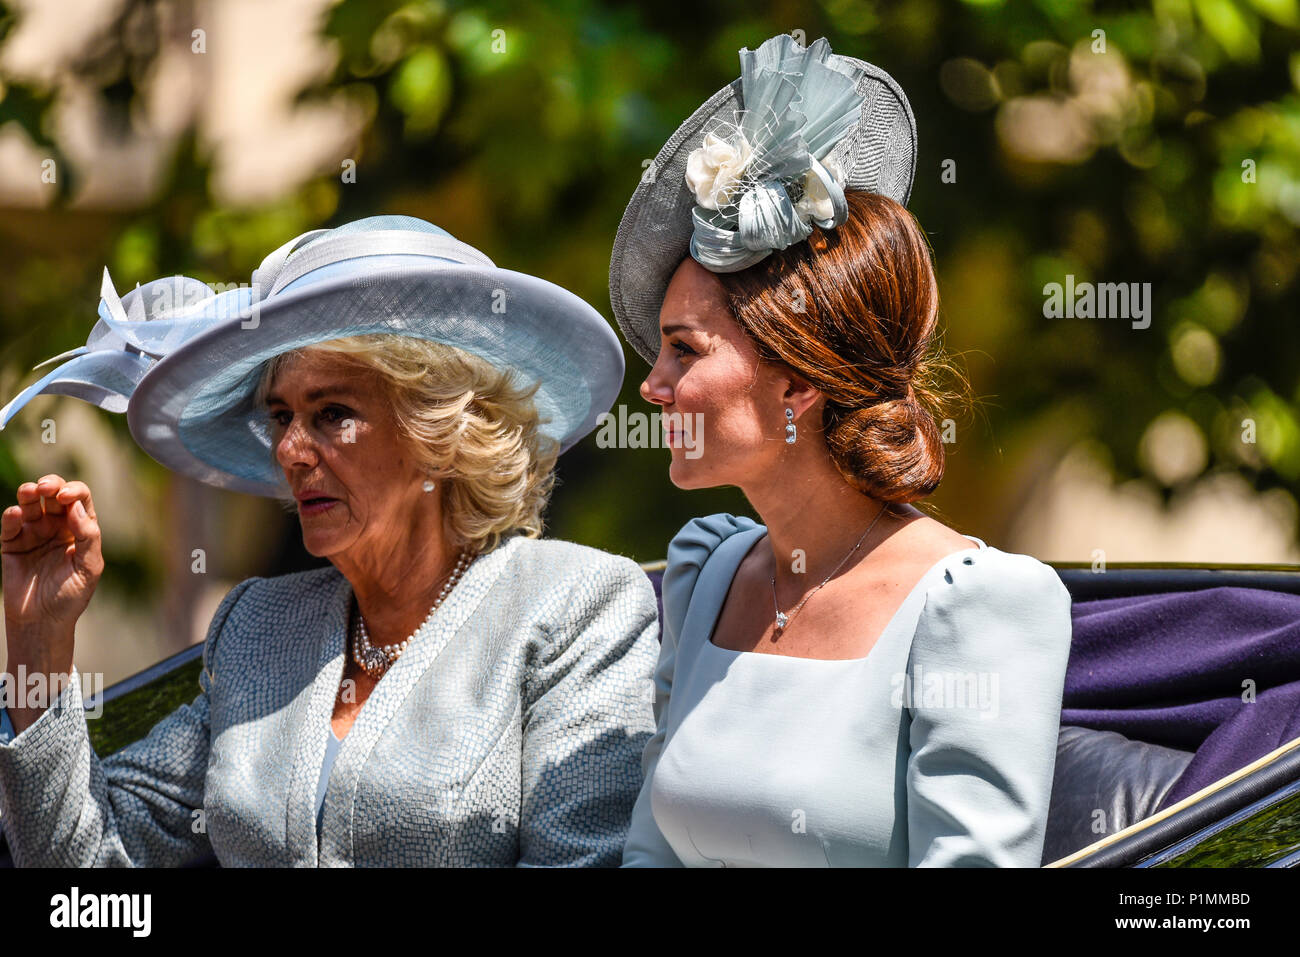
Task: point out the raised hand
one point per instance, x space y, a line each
50 554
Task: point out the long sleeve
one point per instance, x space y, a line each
646 845
586 718
6 734
987 670
689 549
63 806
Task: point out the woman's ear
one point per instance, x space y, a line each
799 396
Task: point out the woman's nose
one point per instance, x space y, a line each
655 388
295 446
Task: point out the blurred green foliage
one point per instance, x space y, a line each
1165 149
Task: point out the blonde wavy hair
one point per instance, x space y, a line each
467 422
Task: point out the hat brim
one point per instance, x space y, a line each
193 410
654 236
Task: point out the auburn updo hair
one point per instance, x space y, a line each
854 311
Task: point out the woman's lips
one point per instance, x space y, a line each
316 506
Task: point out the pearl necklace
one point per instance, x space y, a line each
375 661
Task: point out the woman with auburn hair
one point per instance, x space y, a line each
452 688
850 682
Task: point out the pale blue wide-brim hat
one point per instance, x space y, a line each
183 359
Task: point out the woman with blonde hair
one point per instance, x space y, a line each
850 682
452 689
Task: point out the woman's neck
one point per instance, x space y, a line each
814 518
395 590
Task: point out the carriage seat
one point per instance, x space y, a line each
1104 782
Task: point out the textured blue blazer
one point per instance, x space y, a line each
510 732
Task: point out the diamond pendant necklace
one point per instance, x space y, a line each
783 619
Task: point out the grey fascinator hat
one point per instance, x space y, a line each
183 359
755 168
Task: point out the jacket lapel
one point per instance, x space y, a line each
338 820
309 725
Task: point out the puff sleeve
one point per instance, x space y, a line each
687 552
979 774
646 845
63 806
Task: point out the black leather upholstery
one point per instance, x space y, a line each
1103 783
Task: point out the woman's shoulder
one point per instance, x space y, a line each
577 578
700 537
688 551
284 592
994 575
260 602
966 565
566 583
556 558
984 597
258 605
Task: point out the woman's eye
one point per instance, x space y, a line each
683 349
331 413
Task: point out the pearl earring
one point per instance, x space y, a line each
790 430
428 485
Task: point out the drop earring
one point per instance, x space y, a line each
790 430
428 485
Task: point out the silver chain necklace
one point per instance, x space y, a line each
783 619
375 661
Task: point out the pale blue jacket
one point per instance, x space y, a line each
508 733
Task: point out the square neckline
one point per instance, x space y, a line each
713 626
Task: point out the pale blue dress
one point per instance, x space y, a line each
935 750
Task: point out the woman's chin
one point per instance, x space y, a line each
314 547
686 473
319 545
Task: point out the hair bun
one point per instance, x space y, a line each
858 320
891 450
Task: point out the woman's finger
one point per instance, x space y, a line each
82 524
17 535
85 533
77 492
29 499
11 523
14 530
49 486
32 512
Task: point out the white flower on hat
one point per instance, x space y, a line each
816 203
715 168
